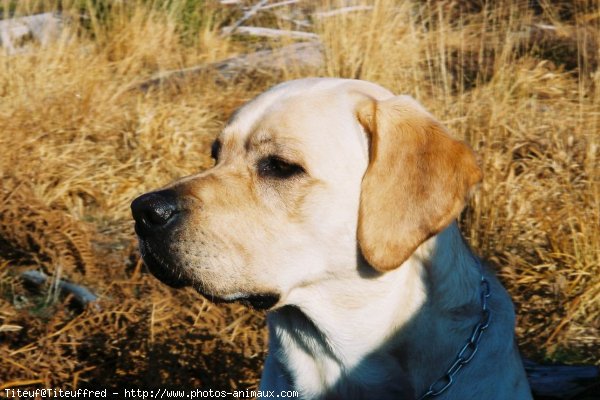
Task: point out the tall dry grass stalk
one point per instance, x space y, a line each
77 144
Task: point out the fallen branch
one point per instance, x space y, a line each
340 11
83 295
279 4
303 55
272 33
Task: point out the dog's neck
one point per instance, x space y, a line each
365 323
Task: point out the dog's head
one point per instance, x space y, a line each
307 176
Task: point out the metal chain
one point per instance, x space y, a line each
467 352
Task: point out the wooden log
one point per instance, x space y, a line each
340 11
297 55
272 33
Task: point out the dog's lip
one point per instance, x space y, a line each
166 274
258 301
163 272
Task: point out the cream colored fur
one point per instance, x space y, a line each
382 176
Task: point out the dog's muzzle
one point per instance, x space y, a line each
157 216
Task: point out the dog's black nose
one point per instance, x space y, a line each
154 211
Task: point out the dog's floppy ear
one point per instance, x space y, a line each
416 183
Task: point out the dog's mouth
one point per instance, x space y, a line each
263 301
162 270
174 277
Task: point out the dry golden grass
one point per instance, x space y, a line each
77 144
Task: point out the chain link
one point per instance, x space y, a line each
468 351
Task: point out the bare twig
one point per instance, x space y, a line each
10 328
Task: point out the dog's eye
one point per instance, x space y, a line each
275 167
215 150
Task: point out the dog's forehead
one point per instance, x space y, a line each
286 110
309 110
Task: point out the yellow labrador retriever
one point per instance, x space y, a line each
332 205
